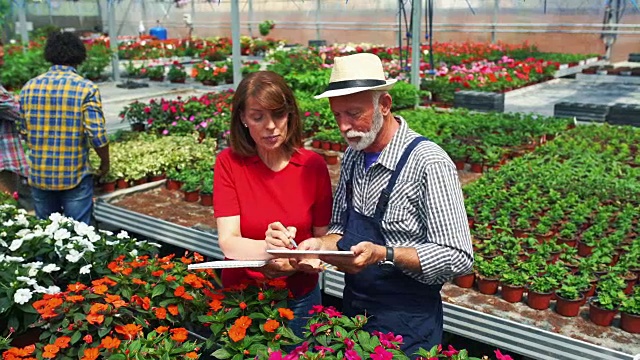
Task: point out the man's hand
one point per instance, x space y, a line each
277 268
278 236
104 168
366 254
308 265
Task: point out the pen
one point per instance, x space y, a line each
295 246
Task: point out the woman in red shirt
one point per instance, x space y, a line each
267 184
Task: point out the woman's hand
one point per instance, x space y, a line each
278 236
277 268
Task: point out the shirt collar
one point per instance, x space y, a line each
296 158
63 68
389 156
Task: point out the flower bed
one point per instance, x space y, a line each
142 304
568 228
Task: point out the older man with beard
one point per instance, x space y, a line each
398 207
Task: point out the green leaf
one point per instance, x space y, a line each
216 328
238 357
103 331
126 293
135 346
76 337
206 318
322 339
5 304
117 357
158 290
221 354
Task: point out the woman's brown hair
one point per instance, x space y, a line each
271 91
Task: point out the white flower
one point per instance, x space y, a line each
1 258
13 259
3 243
56 217
37 265
85 269
83 229
8 223
15 244
51 229
22 296
155 244
22 211
27 280
33 272
53 290
50 268
21 220
39 289
134 252
62 234
23 232
111 243
106 232
74 256
123 235
93 237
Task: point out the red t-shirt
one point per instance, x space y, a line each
298 195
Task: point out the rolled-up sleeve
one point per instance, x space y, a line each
447 252
339 200
93 118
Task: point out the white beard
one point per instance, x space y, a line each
366 138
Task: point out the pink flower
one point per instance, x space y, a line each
174 123
352 355
203 124
275 355
323 349
332 312
15 195
150 121
349 343
452 351
191 118
316 309
307 113
165 132
500 356
314 327
381 354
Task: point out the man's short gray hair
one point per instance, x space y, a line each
375 96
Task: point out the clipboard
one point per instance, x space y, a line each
227 264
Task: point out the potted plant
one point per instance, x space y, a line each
476 158
569 299
176 73
191 187
109 182
540 292
155 72
266 26
630 313
173 182
488 272
512 284
603 307
206 189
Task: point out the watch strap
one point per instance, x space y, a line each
390 254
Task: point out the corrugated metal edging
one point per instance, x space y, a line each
160 230
505 334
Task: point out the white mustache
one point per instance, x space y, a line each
353 133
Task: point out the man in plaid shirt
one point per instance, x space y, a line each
12 159
62 119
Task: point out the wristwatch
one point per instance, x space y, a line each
387 264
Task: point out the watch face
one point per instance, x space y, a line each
386 266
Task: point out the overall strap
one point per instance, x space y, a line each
349 194
383 201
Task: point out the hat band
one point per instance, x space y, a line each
345 84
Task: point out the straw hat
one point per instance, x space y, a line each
356 73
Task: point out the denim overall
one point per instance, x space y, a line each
393 301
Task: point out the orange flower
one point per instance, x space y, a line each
110 343
186 261
50 351
243 322
162 329
278 283
286 313
77 287
95 319
98 308
62 342
191 355
127 271
179 334
197 257
100 289
91 354
173 309
237 333
170 278
215 305
139 282
104 281
21 352
161 313
271 325
193 280
74 298
167 266
157 273
243 305
130 331
179 291
115 300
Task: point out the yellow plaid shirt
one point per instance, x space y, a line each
62 119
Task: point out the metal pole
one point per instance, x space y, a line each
235 41
193 17
318 7
22 18
416 52
400 31
50 12
250 25
496 7
113 39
